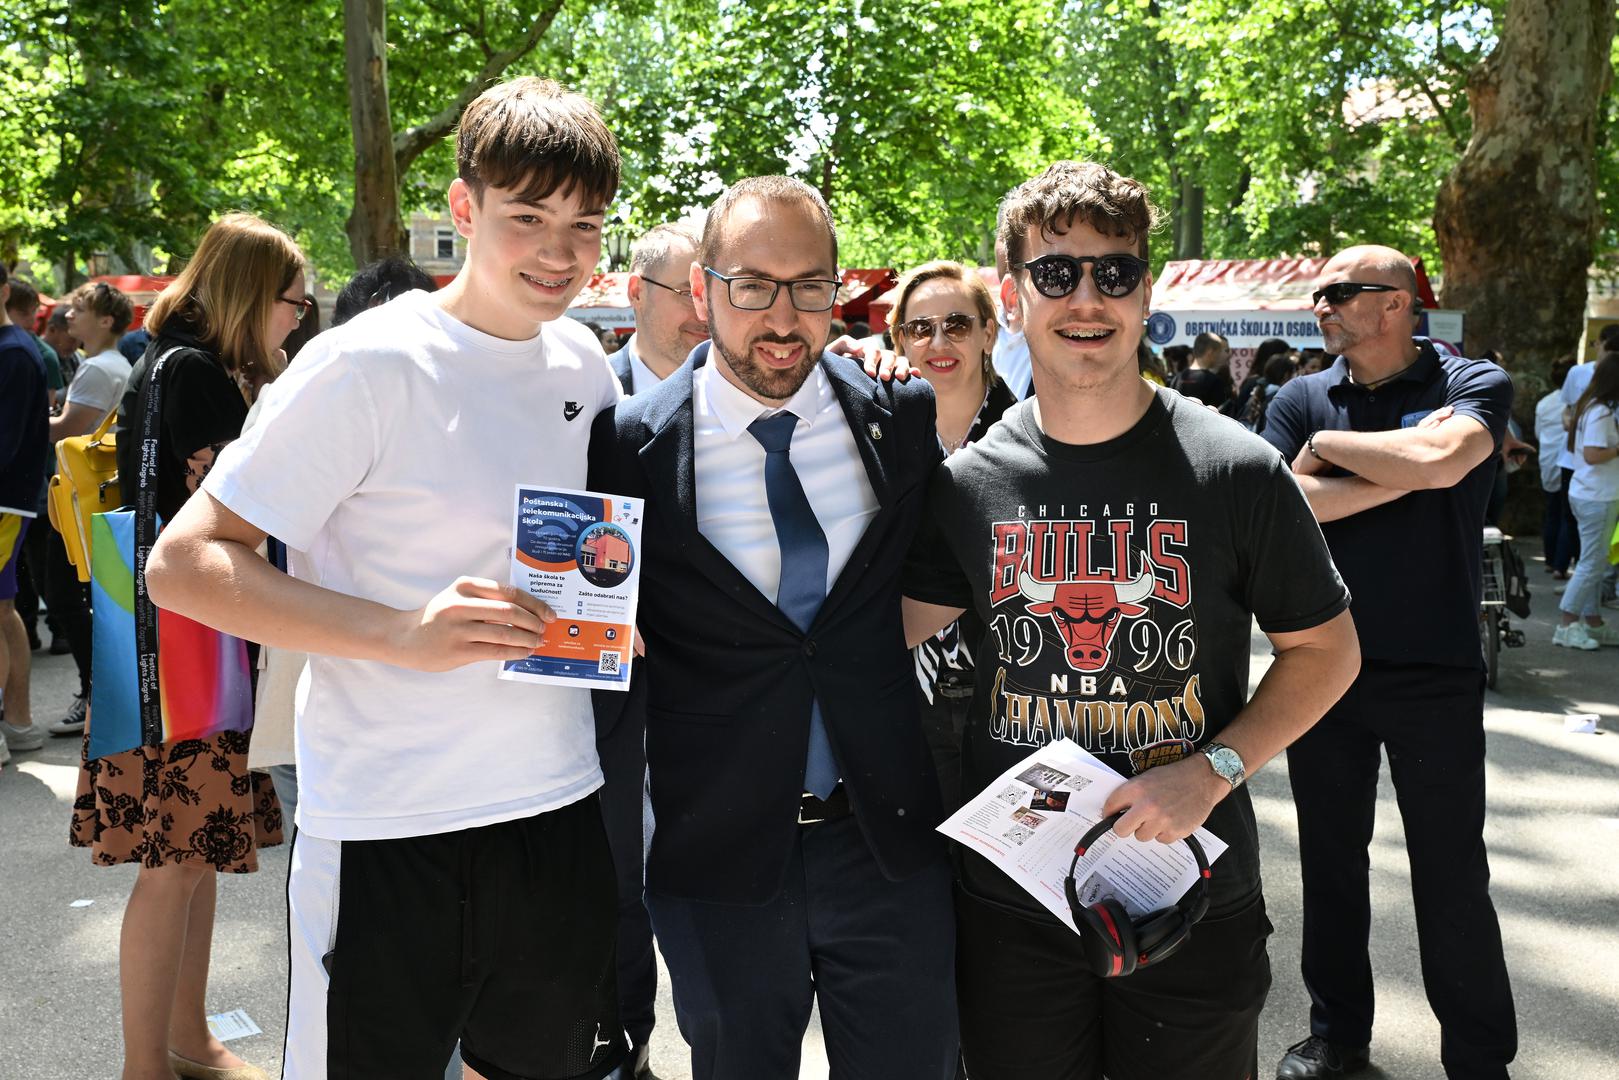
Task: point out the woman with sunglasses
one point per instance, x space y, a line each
944 324
188 810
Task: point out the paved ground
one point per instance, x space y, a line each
1553 836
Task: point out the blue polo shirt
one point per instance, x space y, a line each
1413 566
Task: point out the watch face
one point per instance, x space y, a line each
1227 762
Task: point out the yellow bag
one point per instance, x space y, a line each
85 483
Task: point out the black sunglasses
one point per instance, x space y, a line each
1055 276
684 294
1343 291
920 330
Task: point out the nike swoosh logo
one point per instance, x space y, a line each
571 410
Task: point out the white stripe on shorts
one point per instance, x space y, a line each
312 927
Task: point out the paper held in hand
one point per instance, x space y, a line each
580 552
1030 819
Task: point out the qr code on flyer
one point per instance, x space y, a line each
608 664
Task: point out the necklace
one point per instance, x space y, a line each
959 443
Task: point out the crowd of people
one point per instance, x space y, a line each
873 579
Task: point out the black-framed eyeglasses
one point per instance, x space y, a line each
684 294
1340 292
751 293
1055 276
920 330
303 304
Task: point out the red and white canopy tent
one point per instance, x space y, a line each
1250 300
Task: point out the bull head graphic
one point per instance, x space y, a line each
1087 611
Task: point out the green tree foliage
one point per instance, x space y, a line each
1268 126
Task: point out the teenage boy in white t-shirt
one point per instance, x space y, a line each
451 878
97 315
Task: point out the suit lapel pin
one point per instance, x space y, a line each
876 431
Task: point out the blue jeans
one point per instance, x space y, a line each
1584 593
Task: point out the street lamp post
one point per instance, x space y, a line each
618 245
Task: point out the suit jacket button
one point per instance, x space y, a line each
809 648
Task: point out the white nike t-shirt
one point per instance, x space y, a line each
386 459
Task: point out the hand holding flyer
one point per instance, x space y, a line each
1028 821
579 551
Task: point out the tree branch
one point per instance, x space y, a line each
413 142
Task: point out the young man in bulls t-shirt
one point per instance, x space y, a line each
1117 540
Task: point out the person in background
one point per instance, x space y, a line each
189 810
97 314
1177 358
22 308
1312 361
59 336
1593 495
133 344
1279 368
1559 533
1207 377
23 419
1151 365
377 283
944 321
1266 349
1394 446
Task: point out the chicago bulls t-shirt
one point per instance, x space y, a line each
1117 581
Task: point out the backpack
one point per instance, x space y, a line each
85 483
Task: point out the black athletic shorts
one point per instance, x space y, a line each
501 937
1032 1010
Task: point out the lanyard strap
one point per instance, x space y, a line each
151 413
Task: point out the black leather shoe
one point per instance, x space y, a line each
1316 1057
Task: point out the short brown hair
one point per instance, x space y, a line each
770 189
536 136
945 270
99 298
1076 190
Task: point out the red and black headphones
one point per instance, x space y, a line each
1116 945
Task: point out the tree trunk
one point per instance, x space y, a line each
1516 219
373 226
1189 226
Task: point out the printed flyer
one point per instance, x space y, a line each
580 552
1030 819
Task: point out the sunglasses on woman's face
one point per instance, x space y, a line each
1341 292
1055 276
920 330
303 304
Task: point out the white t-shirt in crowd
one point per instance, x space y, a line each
1579 377
1596 483
100 382
1552 440
387 459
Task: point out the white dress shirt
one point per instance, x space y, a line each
729 470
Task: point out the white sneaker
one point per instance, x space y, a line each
1574 636
18 739
1606 634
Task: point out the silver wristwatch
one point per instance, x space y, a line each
1226 762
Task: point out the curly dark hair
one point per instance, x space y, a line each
1077 190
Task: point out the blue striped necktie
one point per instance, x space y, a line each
803 571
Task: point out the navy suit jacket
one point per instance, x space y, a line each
731 680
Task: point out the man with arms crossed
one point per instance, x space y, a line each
792 857
1118 540
451 877
1394 446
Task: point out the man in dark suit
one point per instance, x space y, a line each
666 330
666 325
793 797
